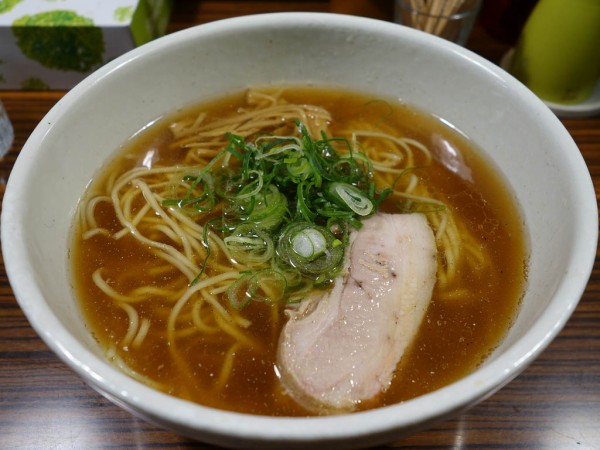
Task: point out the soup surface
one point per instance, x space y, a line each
156 299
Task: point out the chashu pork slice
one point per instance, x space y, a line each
342 347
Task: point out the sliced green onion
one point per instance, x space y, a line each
252 188
206 246
270 209
352 197
250 245
326 263
237 292
299 168
309 243
267 286
303 201
266 210
336 243
263 286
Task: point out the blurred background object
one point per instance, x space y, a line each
376 9
504 19
558 53
450 19
6 131
47 45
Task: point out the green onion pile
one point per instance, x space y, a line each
290 204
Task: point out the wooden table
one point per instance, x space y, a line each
554 404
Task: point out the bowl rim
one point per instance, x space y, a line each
217 424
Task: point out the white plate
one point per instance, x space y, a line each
588 108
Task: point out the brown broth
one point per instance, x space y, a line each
455 336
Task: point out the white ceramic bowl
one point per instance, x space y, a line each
516 131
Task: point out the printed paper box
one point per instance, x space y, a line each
54 44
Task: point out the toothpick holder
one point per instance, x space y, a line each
450 19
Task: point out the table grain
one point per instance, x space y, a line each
554 404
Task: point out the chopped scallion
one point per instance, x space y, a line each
309 243
288 205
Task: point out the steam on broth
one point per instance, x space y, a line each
155 264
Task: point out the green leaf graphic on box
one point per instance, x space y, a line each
7 5
34 84
60 39
123 13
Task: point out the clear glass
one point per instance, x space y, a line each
6 131
450 19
